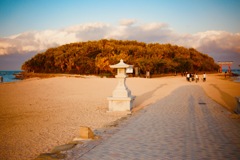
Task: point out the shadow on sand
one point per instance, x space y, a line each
228 99
144 97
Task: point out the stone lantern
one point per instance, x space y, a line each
121 100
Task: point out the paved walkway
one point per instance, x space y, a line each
184 125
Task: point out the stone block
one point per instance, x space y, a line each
86 133
120 103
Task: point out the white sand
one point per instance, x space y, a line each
38 114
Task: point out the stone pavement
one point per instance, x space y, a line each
186 125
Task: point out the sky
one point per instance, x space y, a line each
28 27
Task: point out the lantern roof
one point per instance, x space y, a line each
121 64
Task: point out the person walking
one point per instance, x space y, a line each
188 77
196 78
204 77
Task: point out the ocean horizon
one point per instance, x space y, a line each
9 76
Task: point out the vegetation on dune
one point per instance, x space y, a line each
94 57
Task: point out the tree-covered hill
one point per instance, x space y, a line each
94 57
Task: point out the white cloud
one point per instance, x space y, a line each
127 22
217 42
86 27
207 42
151 32
154 26
4 44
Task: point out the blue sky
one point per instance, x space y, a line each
185 16
31 26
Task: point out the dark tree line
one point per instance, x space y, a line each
94 57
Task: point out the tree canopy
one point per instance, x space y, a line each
94 57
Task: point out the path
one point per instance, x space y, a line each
184 125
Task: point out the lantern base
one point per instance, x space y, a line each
120 103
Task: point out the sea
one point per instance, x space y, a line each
236 78
9 76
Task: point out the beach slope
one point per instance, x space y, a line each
38 114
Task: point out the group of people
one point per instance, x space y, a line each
194 77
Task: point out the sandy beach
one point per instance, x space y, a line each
38 114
